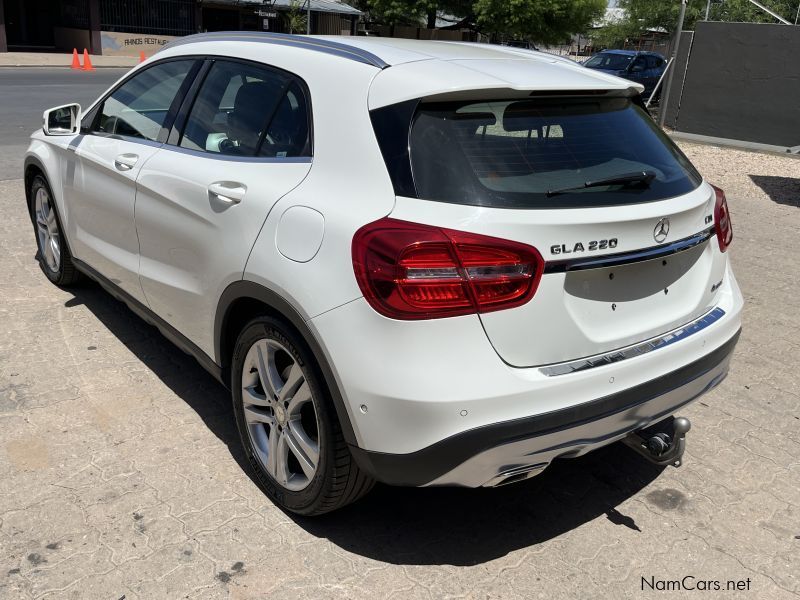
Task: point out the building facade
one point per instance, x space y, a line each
130 26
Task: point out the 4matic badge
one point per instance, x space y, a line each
592 246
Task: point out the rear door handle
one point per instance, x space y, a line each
230 192
125 162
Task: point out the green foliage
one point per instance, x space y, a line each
745 12
542 21
613 35
400 12
554 21
650 14
660 14
296 17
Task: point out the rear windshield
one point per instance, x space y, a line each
543 153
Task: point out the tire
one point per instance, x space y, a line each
53 253
284 413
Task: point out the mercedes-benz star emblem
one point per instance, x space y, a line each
661 230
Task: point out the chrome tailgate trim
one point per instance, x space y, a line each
645 347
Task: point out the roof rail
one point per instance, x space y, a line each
284 39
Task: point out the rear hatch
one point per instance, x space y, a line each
620 217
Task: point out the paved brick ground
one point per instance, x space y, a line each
120 473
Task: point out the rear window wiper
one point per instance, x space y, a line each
640 177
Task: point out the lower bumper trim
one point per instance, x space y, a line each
431 463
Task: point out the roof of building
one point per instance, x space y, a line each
328 6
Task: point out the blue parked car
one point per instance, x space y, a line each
641 67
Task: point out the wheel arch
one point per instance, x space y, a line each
32 167
244 300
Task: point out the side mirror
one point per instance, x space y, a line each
62 120
637 68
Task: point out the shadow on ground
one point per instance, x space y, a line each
783 190
177 370
457 526
422 526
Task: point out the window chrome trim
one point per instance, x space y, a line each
676 335
621 258
124 138
237 158
309 43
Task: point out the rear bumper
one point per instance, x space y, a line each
479 456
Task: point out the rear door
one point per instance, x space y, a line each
123 133
533 171
244 141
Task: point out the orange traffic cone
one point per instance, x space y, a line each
87 63
76 62
141 56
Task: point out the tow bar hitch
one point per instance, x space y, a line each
662 443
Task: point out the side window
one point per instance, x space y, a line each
640 64
288 134
139 107
239 111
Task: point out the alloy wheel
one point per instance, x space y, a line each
47 230
280 414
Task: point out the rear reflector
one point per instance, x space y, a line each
412 271
722 220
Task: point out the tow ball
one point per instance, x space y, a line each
663 443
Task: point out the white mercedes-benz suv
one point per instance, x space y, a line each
421 263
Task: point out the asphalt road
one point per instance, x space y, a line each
26 92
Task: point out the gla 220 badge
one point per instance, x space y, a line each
580 247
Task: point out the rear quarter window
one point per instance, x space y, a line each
515 154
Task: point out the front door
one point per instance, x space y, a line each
100 183
202 200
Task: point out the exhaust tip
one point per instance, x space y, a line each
515 474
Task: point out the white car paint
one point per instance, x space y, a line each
300 233
184 270
418 378
101 200
156 232
588 323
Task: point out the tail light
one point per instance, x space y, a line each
411 271
722 220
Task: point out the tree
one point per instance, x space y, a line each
743 11
542 21
412 12
296 17
659 14
655 14
400 12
